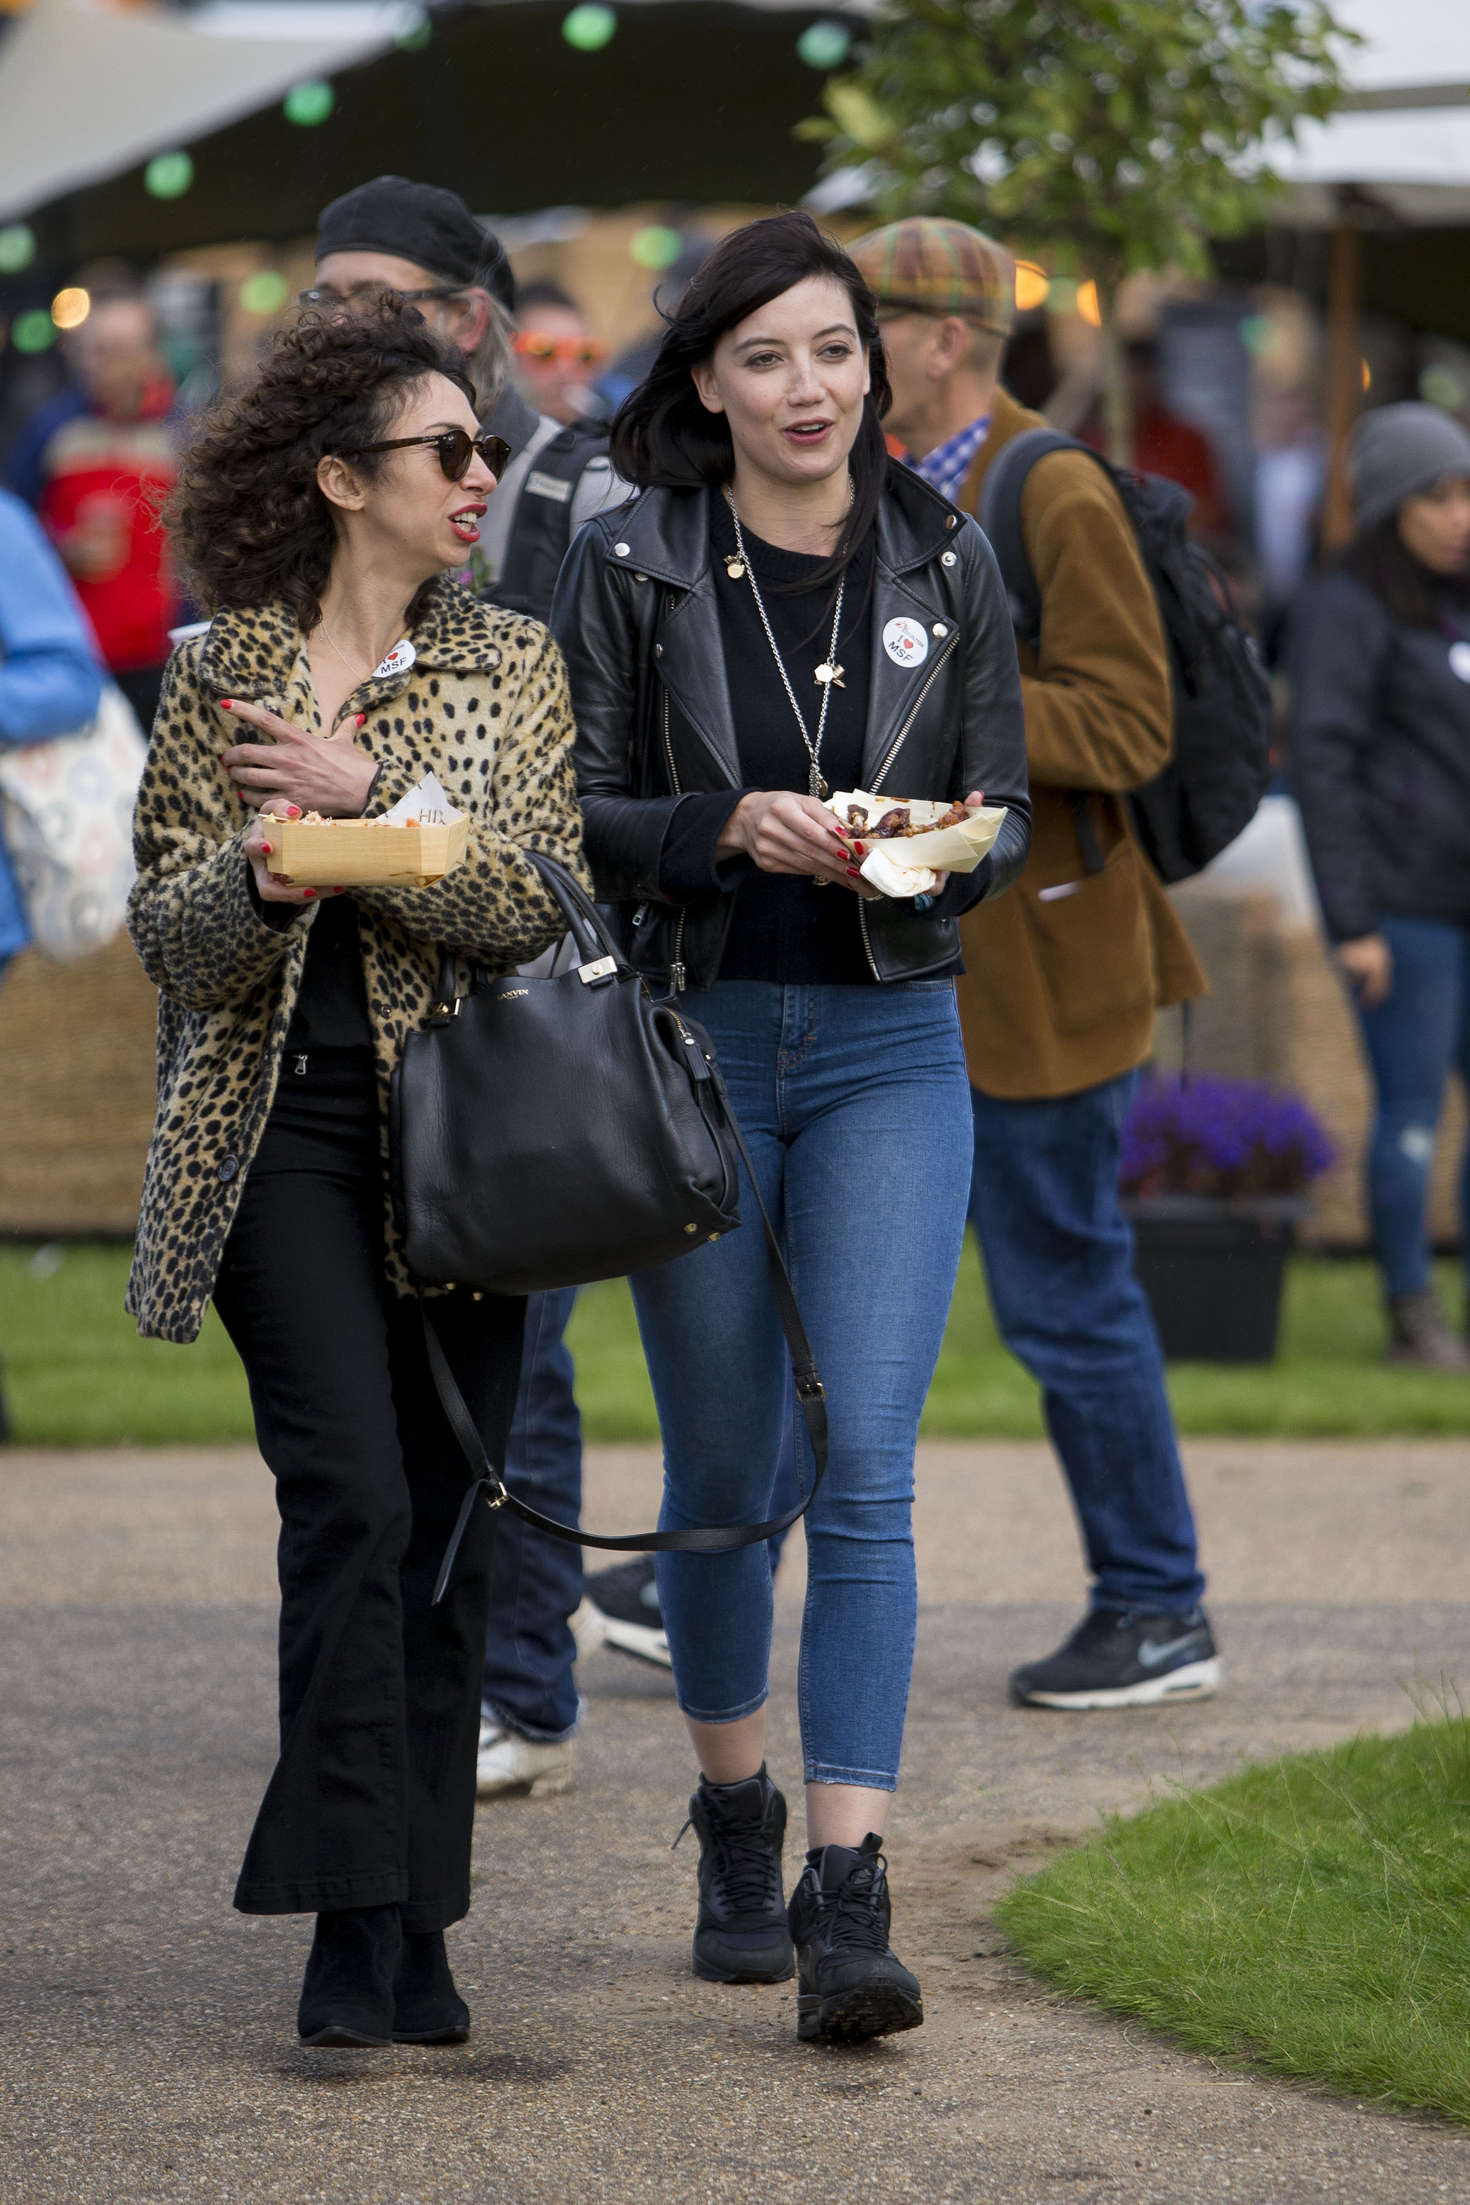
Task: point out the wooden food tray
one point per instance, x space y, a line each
358 853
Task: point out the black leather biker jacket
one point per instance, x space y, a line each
636 614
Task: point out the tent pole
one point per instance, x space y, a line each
1344 382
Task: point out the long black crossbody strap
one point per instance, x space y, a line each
700 1539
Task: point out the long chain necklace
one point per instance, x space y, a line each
828 674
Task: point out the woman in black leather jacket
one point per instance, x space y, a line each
782 612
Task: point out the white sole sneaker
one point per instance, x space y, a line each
588 1628
510 1766
1196 1680
642 1640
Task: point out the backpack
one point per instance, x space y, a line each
541 529
1221 765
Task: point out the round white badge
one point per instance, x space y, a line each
398 661
906 642
1460 660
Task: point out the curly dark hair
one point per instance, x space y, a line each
247 520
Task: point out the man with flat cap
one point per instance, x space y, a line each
1063 976
424 243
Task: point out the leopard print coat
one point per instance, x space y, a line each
484 705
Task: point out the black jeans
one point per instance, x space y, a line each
372 1800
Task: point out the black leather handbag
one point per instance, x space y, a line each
551 1130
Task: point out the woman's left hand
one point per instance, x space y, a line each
973 803
327 774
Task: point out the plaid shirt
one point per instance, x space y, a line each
946 467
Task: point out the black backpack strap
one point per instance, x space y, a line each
489 1479
1000 517
541 526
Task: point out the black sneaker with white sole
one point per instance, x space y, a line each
741 1934
849 1984
1124 1658
626 1599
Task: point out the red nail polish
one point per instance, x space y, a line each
308 893
362 719
339 891
861 849
227 704
853 873
293 811
266 847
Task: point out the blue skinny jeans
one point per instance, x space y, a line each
855 1108
1415 1038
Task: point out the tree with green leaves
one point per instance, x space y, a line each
1114 134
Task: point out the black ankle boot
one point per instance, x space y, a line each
741 1934
427 2009
851 1985
347 1992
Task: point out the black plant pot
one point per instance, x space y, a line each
1213 1271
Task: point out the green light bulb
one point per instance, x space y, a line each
17 248
309 102
265 292
589 27
168 175
33 331
655 247
825 45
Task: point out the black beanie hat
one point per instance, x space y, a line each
419 222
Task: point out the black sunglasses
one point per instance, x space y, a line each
455 447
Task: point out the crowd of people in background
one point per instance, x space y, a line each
1032 1011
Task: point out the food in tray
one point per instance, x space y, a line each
918 839
899 821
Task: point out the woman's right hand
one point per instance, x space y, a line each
1368 964
784 832
269 886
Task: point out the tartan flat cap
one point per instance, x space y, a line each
932 266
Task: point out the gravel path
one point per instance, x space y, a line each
148 2052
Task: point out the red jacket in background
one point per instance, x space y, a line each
75 464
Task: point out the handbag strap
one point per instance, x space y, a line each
698 1539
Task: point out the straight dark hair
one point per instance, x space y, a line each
663 437
1379 558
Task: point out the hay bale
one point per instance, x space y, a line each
76 1102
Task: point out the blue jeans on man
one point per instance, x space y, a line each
1058 1256
535 1581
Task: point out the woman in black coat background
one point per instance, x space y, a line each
1380 762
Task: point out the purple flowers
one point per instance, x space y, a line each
1220 1137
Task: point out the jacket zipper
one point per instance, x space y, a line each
878 779
676 969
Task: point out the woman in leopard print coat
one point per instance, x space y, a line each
316 514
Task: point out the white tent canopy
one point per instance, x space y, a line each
87 90
1403 135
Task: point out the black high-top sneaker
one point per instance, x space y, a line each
741 1934
850 1985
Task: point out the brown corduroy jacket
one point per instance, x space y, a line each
1064 974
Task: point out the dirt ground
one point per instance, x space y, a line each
148 2050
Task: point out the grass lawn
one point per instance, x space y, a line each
76 1374
1308 1917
